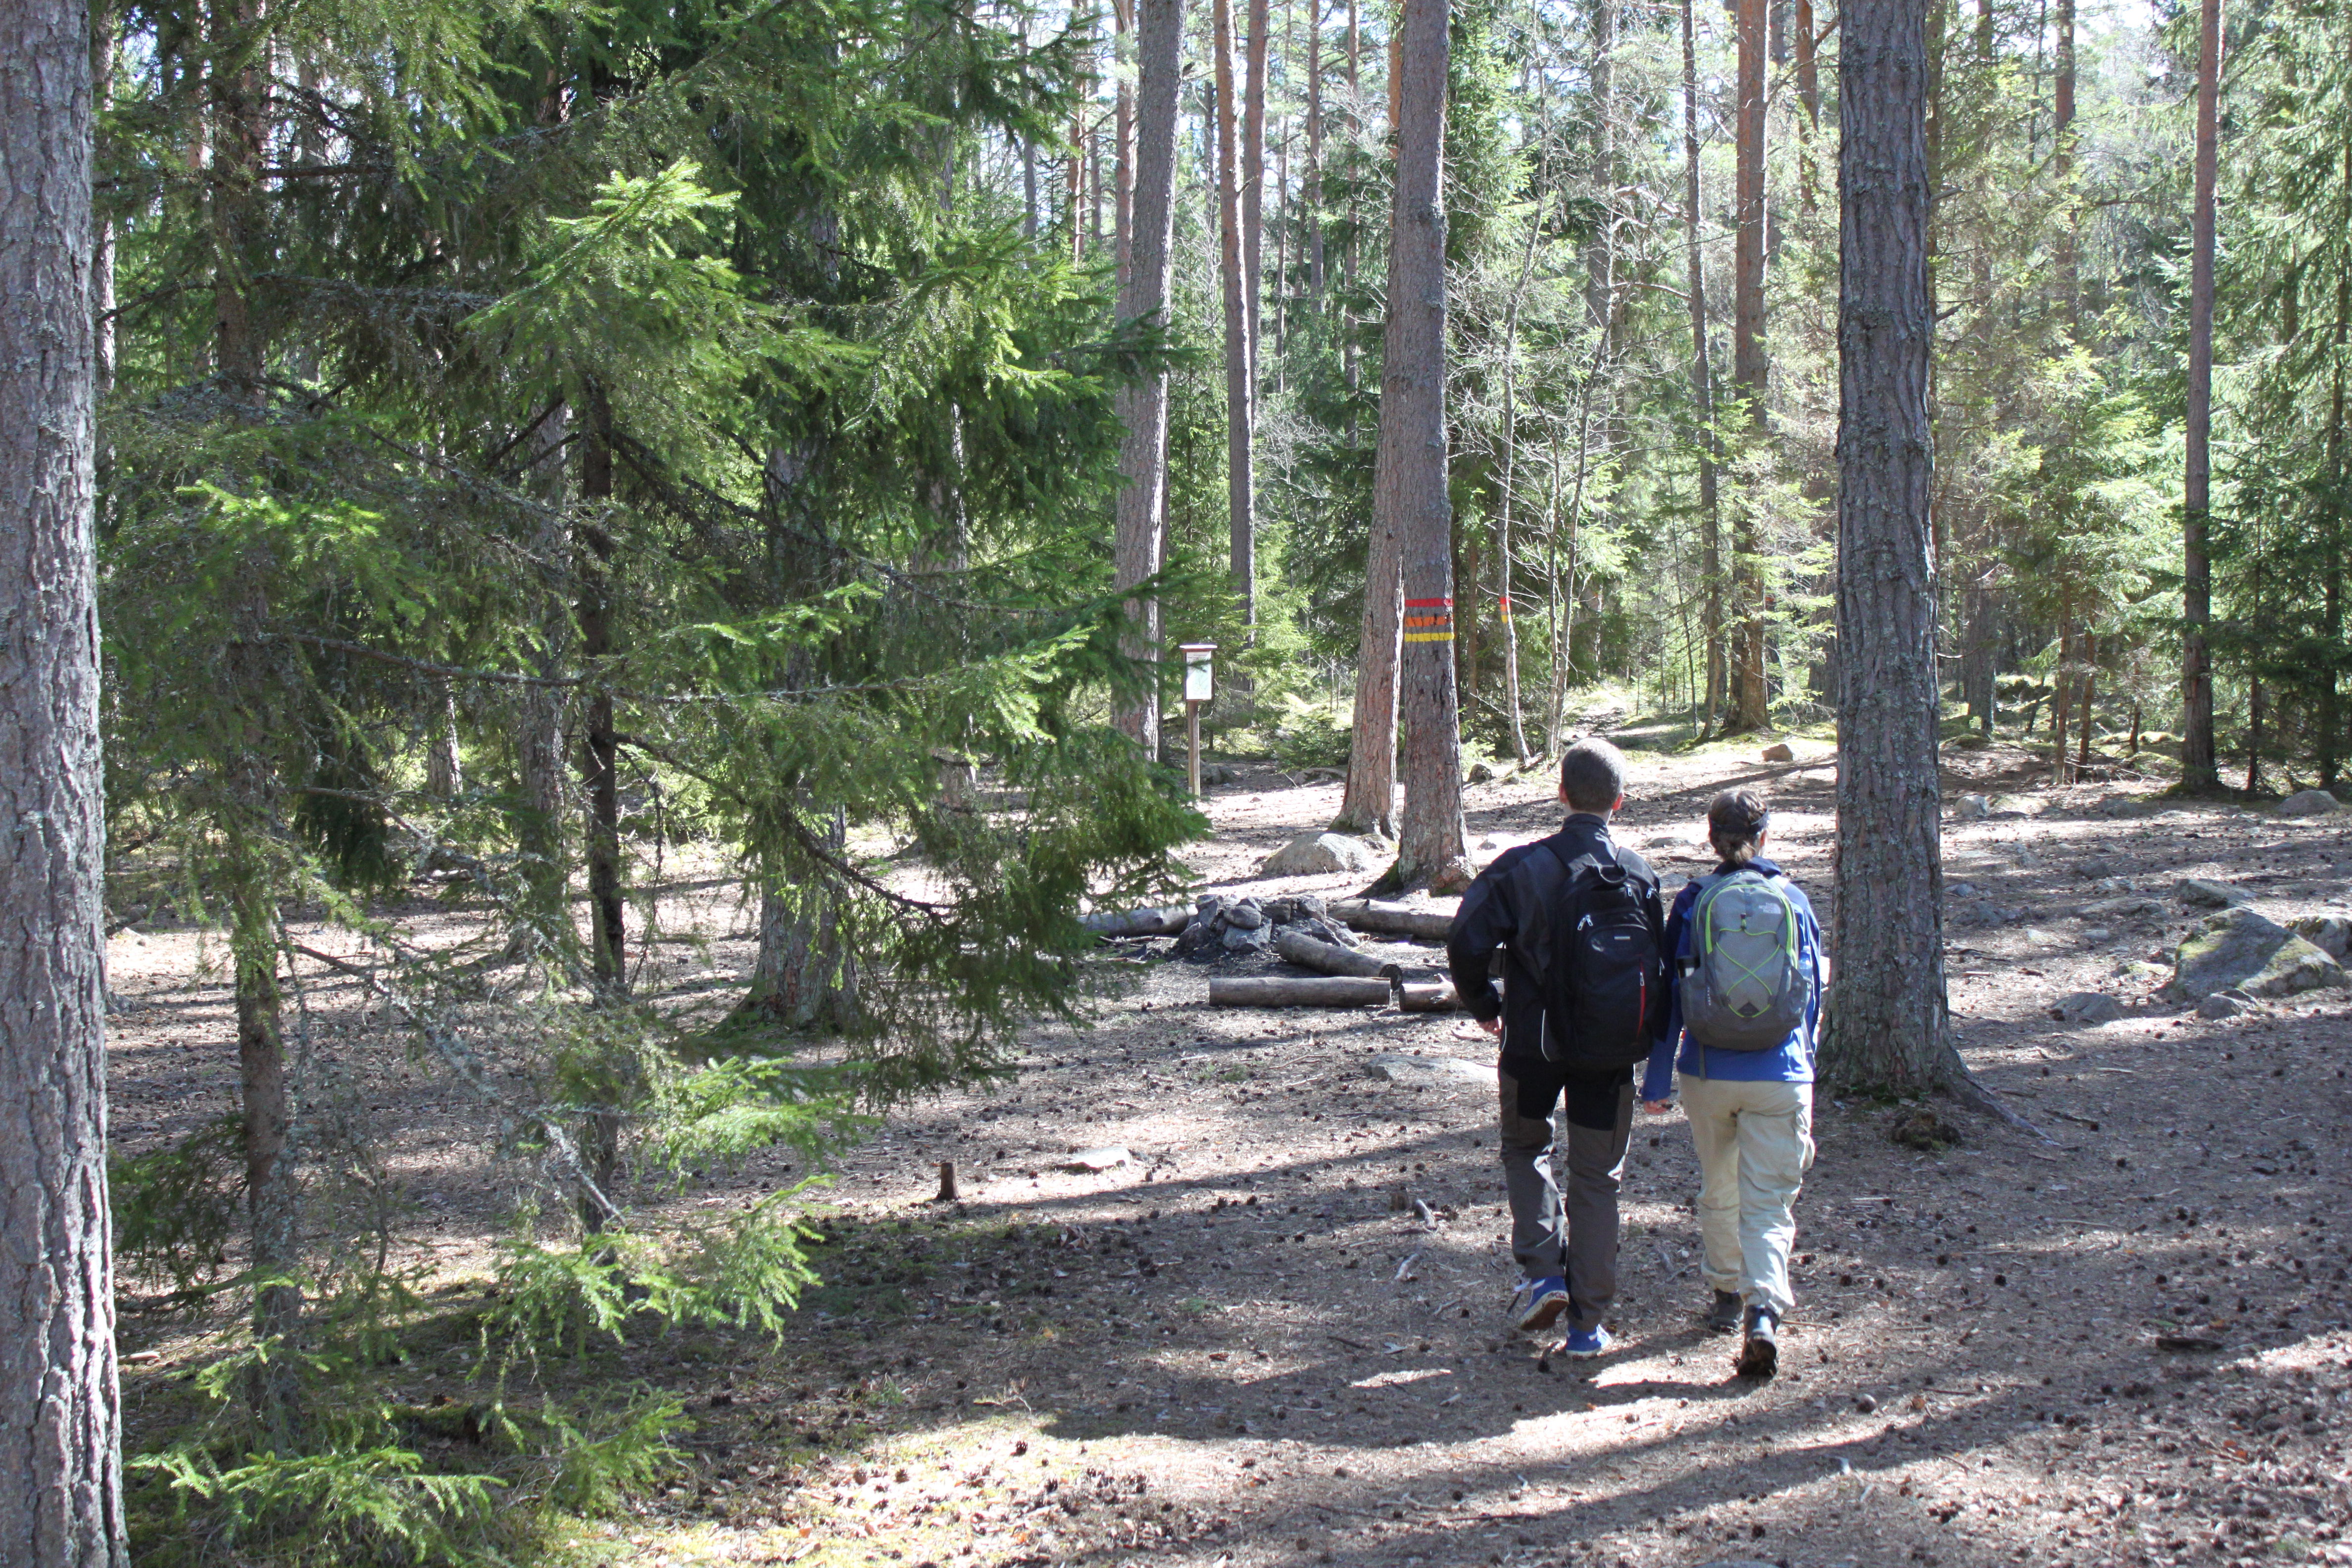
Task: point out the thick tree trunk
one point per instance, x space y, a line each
1237 273
61 1408
1749 705
2329 717
1368 800
1888 1022
1409 484
805 976
1702 380
2199 766
1142 525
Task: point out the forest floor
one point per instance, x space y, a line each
1235 1349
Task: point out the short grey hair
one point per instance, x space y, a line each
1592 775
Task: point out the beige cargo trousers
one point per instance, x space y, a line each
1755 1144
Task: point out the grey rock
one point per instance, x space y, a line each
1247 939
2309 802
1320 855
1245 913
1735 1562
1208 906
2119 805
1428 1072
2097 933
1091 1159
1328 930
2112 885
2332 934
2127 908
2238 949
2223 1004
1480 774
1779 752
2017 805
1195 937
2207 895
1972 807
2086 1007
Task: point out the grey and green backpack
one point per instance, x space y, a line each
1747 982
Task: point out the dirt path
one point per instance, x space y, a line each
1235 1348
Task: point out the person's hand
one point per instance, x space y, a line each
1657 1107
1492 1026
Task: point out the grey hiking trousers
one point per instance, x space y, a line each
1575 1235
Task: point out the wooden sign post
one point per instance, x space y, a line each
1197 690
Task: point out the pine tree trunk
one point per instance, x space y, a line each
2329 718
1888 1022
600 771
1702 380
1749 706
1409 484
1142 525
445 776
545 918
1809 99
2200 770
239 139
1235 273
1123 131
805 975
1252 193
2062 163
1311 196
61 1408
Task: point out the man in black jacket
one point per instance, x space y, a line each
1567 1256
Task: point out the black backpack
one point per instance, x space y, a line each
1602 979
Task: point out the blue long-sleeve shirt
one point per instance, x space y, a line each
1790 1062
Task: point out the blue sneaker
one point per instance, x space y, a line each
1545 1300
1583 1344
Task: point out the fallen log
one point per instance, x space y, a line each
1169 921
1399 920
1427 996
1330 958
1281 991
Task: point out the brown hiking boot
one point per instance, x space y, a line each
1759 1350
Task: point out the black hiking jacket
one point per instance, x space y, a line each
1508 908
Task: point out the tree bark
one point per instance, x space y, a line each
60 1405
1311 195
1702 380
540 827
1888 1022
1253 149
600 754
1123 130
1368 800
2199 766
1236 272
1409 483
1749 706
2062 163
1285 991
1141 522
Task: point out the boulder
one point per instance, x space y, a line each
1320 855
1246 913
2309 802
1247 939
1195 937
2225 1004
2239 949
2086 1007
2017 805
2332 934
1972 807
1779 752
2207 895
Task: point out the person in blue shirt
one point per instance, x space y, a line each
1750 1110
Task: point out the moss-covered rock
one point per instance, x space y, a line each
2238 949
